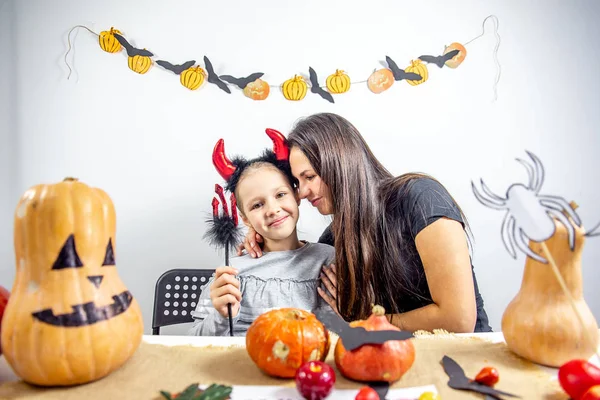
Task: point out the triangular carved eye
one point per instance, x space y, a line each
68 258
109 257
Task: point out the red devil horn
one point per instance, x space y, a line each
280 146
221 162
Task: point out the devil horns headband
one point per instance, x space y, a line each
231 170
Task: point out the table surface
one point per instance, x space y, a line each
6 373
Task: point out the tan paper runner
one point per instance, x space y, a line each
172 368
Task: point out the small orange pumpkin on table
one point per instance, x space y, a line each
386 362
281 340
70 319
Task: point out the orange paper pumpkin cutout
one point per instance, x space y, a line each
257 90
380 80
457 59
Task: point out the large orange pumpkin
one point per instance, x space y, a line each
281 340
375 362
70 318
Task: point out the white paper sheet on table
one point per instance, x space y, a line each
291 393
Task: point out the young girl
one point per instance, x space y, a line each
399 241
288 273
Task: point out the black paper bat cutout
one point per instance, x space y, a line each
399 74
214 78
178 69
353 338
440 60
242 82
458 380
132 51
315 88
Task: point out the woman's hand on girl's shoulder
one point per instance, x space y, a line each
328 278
250 244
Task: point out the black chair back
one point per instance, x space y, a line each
176 295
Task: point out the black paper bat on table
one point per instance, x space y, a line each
399 74
316 88
440 61
132 51
241 82
223 232
458 380
214 78
355 337
177 69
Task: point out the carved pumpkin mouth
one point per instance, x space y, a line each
86 313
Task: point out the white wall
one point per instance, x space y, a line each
147 141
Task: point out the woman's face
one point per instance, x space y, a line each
312 187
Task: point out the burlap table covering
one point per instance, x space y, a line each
172 368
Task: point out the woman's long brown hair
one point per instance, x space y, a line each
370 252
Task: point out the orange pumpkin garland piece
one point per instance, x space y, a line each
281 340
380 80
70 319
386 362
457 59
257 90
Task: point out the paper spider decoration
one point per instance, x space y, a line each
529 214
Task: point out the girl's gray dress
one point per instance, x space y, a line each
277 279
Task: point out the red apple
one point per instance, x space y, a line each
315 380
577 376
367 393
4 294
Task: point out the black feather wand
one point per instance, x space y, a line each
223 232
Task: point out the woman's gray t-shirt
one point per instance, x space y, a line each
274 280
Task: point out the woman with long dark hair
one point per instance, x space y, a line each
400 242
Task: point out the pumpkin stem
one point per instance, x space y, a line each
70 179
378 310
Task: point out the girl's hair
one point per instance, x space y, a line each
370 253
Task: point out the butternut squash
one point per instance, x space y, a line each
70 319
540 323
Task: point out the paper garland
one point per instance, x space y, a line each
193 76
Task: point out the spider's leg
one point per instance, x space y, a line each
556 212
488 202
523 245
539 172
595 231
491 194
530 173
507 227
556 201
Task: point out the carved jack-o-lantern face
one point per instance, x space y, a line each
70 318
86 313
